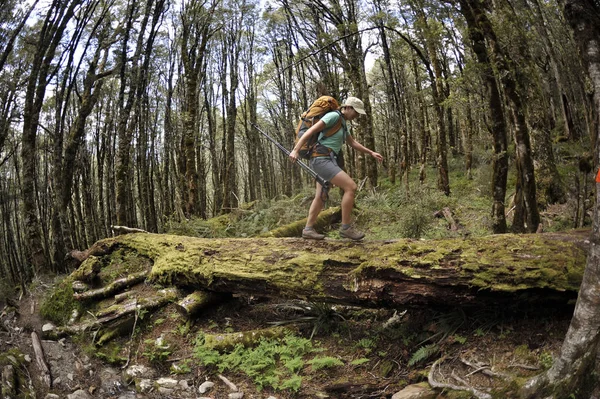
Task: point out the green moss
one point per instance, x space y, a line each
88 269
13 357
500 263
59 304
111 353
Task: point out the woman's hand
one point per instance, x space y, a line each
377 156
294 156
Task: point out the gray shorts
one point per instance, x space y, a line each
326 167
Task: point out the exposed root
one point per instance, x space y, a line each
483 368
465 387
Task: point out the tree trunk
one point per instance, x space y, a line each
56 22
484 271
475 17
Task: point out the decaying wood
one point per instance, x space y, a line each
446 213
232 387
228 341
124 295
326 218
75 257
79 286
195 302
41 360
88 270
114 316
496 270
8 384
114 287
126 230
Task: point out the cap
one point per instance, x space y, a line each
355 103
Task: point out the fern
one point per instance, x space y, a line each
423 353
360 361
326 362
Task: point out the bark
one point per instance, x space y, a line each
484 271
230 191
437 92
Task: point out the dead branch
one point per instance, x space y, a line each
112 288
229 384
447 214
126 230
195 302
121 312
40 360
227 341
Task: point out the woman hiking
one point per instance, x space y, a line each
324 163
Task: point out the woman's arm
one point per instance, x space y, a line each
359 147
314 129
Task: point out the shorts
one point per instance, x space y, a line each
326 167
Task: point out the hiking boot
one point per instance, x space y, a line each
311 234
352 234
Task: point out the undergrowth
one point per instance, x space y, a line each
276 363
397 210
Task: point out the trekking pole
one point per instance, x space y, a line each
324 183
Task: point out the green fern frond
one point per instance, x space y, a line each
423 353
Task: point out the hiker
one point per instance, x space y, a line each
323 161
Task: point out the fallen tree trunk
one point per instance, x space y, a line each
326 219
496 269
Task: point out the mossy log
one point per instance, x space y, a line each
326 218
497 269
228 341
195 302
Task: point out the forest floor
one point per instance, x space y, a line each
353 352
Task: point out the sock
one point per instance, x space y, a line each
308 228
345 226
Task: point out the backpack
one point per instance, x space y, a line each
312 115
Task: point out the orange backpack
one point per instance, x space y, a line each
315 112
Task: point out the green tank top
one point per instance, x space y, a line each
336 140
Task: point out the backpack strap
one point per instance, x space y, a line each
322 151
327 132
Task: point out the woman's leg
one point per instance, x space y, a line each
315 207
349 186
